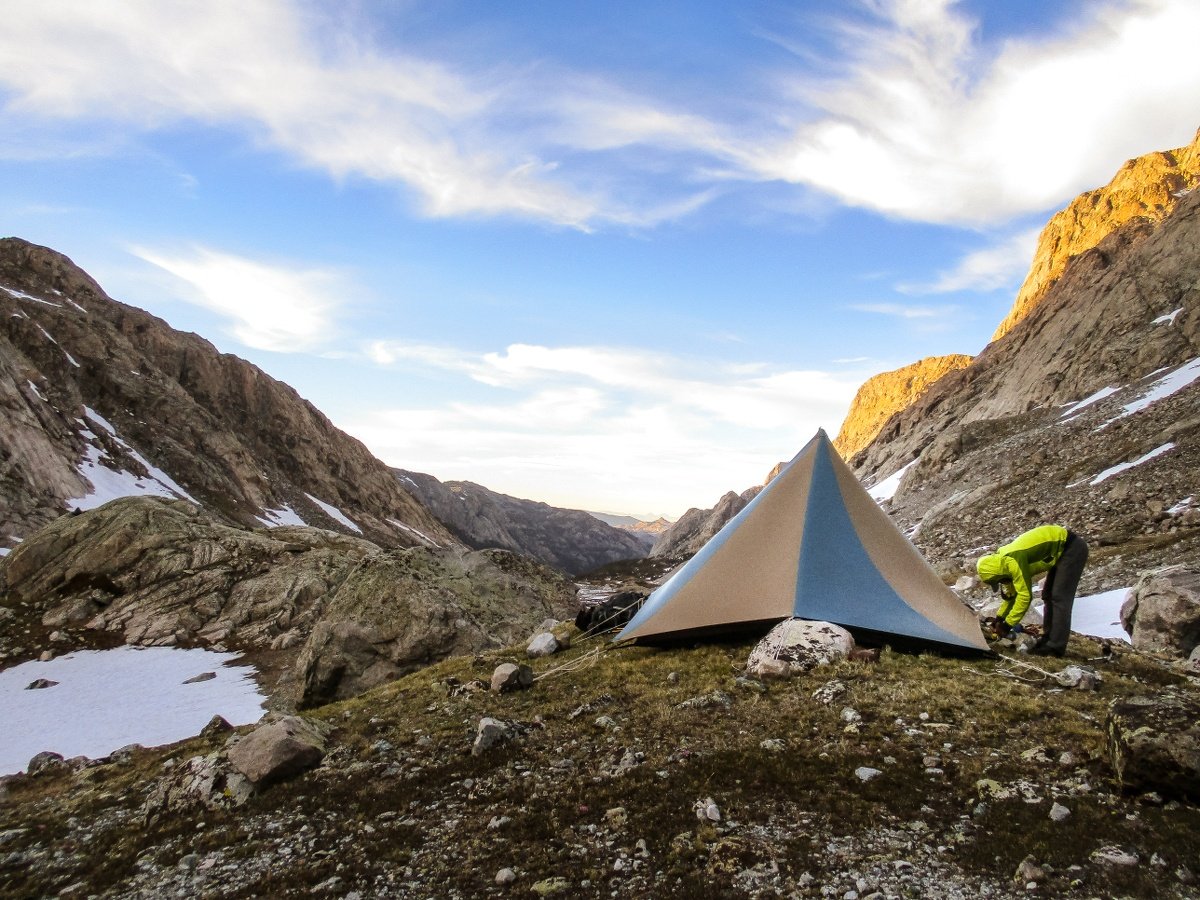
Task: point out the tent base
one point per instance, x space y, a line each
737 632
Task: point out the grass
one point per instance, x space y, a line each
424 806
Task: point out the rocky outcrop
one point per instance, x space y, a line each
1162 613
345 613
1154 743
101 399
568 539
1145 189
889 392
279 750
696 526
406 609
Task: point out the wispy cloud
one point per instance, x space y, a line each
903 311
268 306
999 266
923 121
917 118
656 426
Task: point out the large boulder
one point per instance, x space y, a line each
412 607
278 750
1154 743
797 645
1162 613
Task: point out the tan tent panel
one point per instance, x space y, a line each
814 545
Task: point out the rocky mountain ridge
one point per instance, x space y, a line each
568 539
1145 189
101 399
882 395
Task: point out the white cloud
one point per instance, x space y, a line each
270 307
1002 265
924 122
674 432
918 118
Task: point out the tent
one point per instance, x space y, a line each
814 545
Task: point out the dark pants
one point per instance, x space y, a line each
1058 593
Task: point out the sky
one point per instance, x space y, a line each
619 256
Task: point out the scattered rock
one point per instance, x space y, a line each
505 876
203 676
1080 678
216 725
40 684
706 810
1114 856
1029 871
1059 813
866 773
549 886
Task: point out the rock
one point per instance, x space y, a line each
1162 612
216 725
488 733
883 394
544 644
46 656
1059 813
802 644
706 810
830 692
1028 871
548 886
39 684
46 762
278 750
203 676
511 677
1154 743
407 608
1114 856
616 818
1081 678
207 781
866 773
505 876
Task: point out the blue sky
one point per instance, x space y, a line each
621 256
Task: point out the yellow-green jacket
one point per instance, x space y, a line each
1016 565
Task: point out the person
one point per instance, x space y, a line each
1012 569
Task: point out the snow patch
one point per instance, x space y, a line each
4 551
886 489
1164 387
51 339
283 516
1182 506
420 534
21 295
109 484
107 699
1169 318
334 513
1117 469
1099 615
1072 411
33 387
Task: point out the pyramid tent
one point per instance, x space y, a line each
814 545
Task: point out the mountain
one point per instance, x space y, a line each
1145 189
1084 410
100 399
696 526
882 395
570 540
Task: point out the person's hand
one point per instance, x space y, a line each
1002 629
1016 629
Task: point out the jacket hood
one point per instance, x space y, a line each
990 568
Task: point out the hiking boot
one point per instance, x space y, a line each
1044 650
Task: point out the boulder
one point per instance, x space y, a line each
800 644
543 644
200 781
1162 612
45 762
511 677
278 750
488 733
1154 743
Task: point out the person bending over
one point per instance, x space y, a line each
1012 570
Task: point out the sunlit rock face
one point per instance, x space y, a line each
889 392
1146 189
